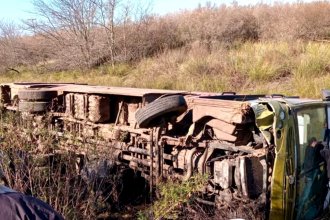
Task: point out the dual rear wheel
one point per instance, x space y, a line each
35 100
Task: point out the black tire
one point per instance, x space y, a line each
165 107
32 107
34 94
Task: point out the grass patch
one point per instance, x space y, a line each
173 196
314 62
291 68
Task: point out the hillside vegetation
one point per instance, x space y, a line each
282 48
298 68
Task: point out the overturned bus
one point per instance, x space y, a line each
252 147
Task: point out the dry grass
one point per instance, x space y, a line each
292 68
33 161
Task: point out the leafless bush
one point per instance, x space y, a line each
152 36
10 46
308 21
241 25
18 50
79 186
314 20
98 32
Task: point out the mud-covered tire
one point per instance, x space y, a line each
35 94
32 107
164 107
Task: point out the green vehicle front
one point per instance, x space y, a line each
298 181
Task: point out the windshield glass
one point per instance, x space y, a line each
311 181
311 127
